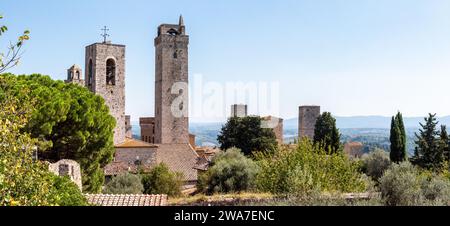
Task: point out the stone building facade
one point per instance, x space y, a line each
239 110
276 124
75 75
171 81
67 167
307 121
105 76
147 125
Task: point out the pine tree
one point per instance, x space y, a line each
427 144
327 134
398 139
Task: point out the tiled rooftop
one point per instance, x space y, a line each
126 200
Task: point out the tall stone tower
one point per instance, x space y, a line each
74 75
307 121
105 76
171 81
239 110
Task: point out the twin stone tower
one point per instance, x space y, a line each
105 76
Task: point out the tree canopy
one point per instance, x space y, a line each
69 121
23 180
326 133
246 134
427 153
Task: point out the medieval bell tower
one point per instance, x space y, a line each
171 84
105 76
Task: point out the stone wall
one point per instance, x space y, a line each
276 124
69 168
307 121
128 127
114 94
171 47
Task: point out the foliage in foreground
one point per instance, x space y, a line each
376 163
67 193
159 180
230 172
305 168
125 183
406 185
24 181
68 120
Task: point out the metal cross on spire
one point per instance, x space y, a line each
105 34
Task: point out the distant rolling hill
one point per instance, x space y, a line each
375 122
372 129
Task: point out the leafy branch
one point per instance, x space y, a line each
14 53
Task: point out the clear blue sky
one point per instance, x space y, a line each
352 57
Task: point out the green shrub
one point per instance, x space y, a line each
161 181
230 171
436 190
400 185
376 163
67 193
406 185
125 183
305 168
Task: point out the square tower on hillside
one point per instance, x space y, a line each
105 76
171 81
307 121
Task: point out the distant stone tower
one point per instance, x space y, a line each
74 75
147 129
171 81
307 121
128 127
239 110
105 76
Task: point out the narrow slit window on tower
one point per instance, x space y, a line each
78 75
90 73
110 72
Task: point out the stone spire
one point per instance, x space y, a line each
181 22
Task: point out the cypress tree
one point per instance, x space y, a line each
398 139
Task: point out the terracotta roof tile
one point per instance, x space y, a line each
133 143
179 158
126 200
